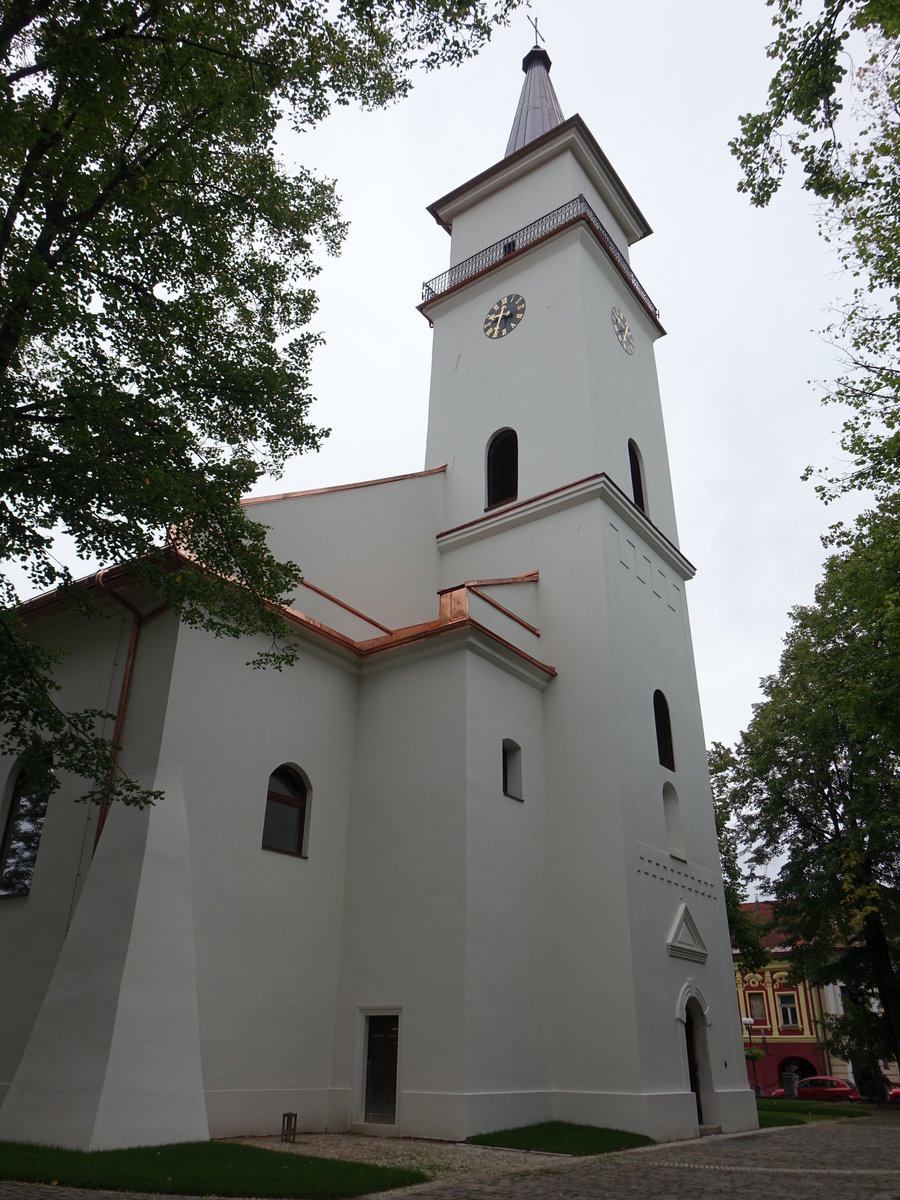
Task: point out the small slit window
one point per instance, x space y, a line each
21 836
674 827
663 731
502 468
511 765
286 823
637 476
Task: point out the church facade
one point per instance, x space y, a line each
457 869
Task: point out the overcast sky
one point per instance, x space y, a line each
741 292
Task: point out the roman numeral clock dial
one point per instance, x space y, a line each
623 330
504 316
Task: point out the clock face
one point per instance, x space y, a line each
504 316
623 330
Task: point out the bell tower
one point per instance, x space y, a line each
545 414
540 324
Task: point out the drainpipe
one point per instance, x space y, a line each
136 622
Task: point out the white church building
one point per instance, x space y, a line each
456 870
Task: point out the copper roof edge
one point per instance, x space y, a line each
430 629
34 608
527 577
100 580
407 636
247 501
573 123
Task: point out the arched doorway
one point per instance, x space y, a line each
802 1066
692 1012
691 1038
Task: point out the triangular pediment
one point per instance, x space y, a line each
684 940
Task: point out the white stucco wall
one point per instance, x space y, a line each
508 1013
508 207
403 946
267 925
372 547
76 924
560 379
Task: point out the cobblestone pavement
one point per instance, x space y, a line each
850 1160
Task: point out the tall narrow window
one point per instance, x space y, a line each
285 827
502 468
674 827
637 475
663 731
512 769
21 836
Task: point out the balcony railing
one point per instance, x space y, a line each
566 214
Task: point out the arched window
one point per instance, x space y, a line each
637 475
674 828
663 731
286 826
502 468
21 836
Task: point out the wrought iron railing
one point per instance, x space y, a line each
522 238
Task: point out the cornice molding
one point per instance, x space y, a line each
595 487
572 135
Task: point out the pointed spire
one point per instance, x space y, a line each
539 109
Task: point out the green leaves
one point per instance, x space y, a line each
815 780
816 777
156 269
746 933
804 102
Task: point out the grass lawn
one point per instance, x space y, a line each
799 1112
198 1169
559 1137
772 1120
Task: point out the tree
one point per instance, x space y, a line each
861 1037
746 933
807 95
842 124
817 774
155 270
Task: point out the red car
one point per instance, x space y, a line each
894 1095
822 1087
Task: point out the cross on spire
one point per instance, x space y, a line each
537 35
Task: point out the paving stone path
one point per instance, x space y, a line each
846 1160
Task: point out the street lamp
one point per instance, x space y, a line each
747 1023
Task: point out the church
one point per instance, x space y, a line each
456 870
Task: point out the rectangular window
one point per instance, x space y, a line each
756 1004
787 1009
512 769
